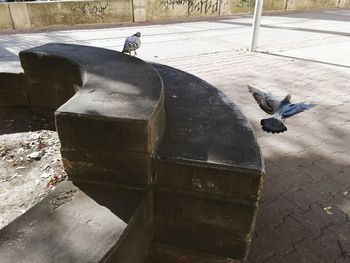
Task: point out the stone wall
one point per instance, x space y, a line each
43 14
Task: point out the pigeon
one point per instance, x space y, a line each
132 43
279 110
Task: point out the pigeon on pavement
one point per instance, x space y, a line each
279 110
132 43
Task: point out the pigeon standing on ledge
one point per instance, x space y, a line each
279 109
132 43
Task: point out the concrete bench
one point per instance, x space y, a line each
111 125
208 170
166 152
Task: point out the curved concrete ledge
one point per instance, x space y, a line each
208 171
165 151
110 127
114 85
207 132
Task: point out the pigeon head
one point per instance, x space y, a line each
138 34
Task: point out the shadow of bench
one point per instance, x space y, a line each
174 161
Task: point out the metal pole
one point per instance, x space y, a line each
256 25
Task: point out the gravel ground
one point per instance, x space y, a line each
30 161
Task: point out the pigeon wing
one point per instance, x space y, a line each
132 43
292 109
126 44
137 41
266 100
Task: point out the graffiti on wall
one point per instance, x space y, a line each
193 6
90 8
246 4
203 6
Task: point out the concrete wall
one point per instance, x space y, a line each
42 14
311 4
79 12
5 17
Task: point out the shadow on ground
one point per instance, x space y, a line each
16 120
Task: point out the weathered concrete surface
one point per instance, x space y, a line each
99 164
45 86
45 14
110 128
202 240
19 15
236 217
130 198
139 10
208 170
208 179
310 4
5 17
120 78
79 12
210 148
203 224
67 226
208 132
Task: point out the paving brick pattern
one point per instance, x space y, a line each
305 207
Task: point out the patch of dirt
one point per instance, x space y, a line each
30 161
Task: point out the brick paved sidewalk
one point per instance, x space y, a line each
305 207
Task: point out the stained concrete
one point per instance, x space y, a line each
67 226
120 79
5 17
112 115
210 142
19 15
208 170
93 12
43 14
208 132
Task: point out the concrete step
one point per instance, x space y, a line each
69 226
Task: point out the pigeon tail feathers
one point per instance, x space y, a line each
273 125
292 109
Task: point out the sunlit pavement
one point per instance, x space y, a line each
305 206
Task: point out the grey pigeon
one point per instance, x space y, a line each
279 110
132 43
